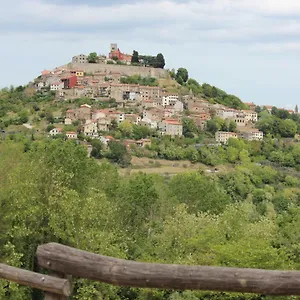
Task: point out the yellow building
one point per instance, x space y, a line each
79 73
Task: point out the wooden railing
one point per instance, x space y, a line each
65 262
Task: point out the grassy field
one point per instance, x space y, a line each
166 167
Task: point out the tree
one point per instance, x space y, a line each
212 126
49 117
189 127
183 74
172 73
126 128
296 109
258 109
92 57
113 125
214 92
207 90
50 127
118 153
23 116
274 111
97 148
287 128
160 61
199 192
141 132
232 126
135 57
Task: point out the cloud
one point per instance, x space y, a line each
224 21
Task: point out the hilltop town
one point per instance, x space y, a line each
155 104
119 156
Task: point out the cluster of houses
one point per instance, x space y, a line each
165 116
154 105
93 121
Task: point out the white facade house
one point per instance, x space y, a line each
150 122
55 131
41 85
71 135
250 116
169 99
57 86
90 129
106 139
224 136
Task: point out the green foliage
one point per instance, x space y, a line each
199 193
135 57
92 57
119 154
189 127
160 61
126 128
157 61
272 124
182 75
245 217
97 150
50 127
137 79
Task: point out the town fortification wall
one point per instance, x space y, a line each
122 69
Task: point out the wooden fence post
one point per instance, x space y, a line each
122 272
51 296
46 283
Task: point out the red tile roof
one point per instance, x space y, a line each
172 122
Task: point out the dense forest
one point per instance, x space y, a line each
50 190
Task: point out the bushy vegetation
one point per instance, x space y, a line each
206 91
247 217
137 79
279 123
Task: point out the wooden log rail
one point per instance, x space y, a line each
42 282
121 272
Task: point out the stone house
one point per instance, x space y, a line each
108 114
251 134
224 136
240 119
90 128
150 93
171 127
133 118
80 59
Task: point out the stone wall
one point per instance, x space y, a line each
124 70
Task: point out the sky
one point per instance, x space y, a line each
249 48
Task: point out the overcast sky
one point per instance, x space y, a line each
250 48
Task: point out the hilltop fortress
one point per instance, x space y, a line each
115 62
123 70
